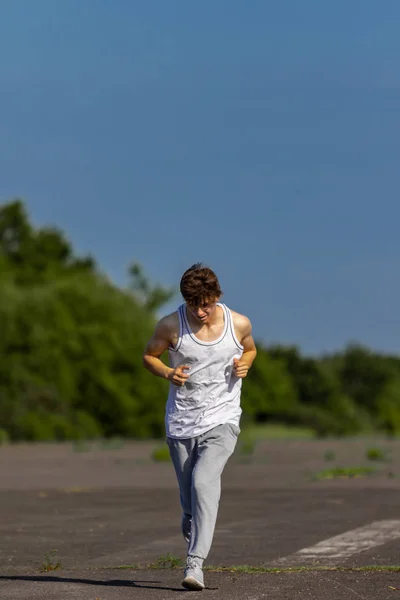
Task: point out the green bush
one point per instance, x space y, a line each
4 437
85 426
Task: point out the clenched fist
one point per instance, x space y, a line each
240 368
178 376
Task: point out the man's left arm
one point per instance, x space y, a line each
244 329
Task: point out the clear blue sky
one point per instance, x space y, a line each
260 137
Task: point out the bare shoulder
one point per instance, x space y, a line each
168 327
166 333
241 323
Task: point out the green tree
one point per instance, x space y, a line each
151 296
363 374
72 342
323 404
268 391
34 255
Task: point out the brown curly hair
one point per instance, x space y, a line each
199 284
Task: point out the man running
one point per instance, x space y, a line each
211 350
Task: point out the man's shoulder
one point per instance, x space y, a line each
241 322
238 317
169 323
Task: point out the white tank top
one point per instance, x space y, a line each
211 395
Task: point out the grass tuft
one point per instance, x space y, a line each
114 443
134 567
161 454
329 455
167 562
50 563
376 454
172 562
346 472
82 446
250 569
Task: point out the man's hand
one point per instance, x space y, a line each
178 376
240 368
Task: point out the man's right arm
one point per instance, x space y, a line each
156 346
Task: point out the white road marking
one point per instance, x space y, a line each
347 544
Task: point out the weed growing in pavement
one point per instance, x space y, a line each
329 455
250 569
114 443
50 563
161 454
376 454
347 472
82 446
166 562
171 562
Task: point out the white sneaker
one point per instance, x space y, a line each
194 578
186 527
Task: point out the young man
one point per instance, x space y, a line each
210 350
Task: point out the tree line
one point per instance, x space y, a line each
71 349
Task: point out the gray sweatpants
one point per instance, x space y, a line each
199 463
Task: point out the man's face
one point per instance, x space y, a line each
203 311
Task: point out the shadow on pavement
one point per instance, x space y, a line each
110 583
